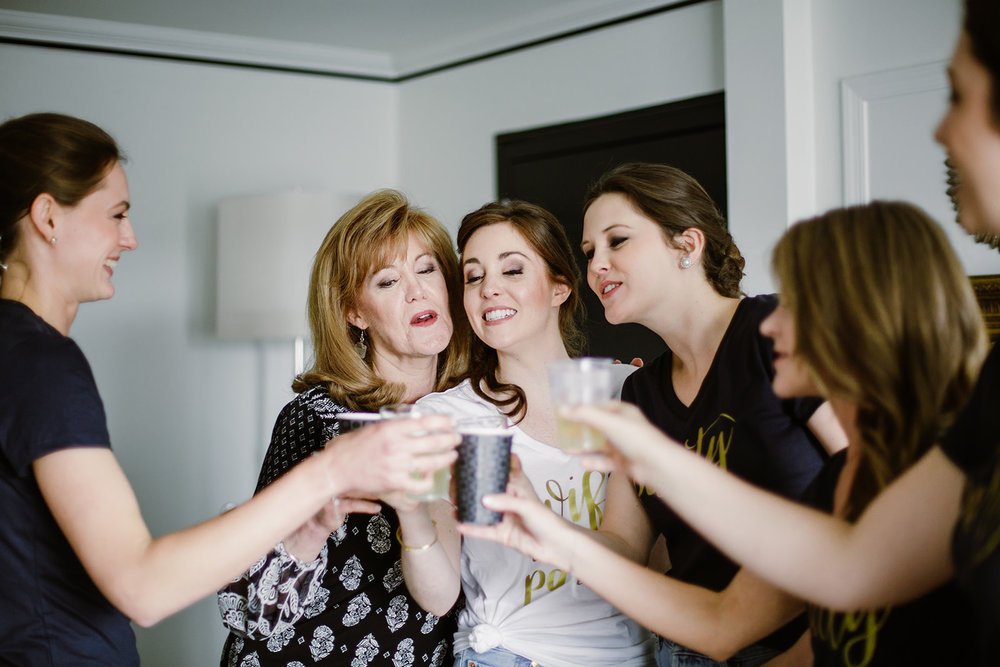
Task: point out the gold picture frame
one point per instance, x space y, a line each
987 289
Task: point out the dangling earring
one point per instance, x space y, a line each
686 262
360 346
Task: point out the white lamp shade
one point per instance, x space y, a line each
266 248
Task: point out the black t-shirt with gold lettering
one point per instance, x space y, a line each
935 629
738 423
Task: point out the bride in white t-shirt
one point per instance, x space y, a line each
522 299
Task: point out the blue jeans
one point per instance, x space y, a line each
495 657
674 655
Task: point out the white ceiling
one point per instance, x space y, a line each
383 39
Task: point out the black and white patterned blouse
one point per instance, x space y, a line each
348 607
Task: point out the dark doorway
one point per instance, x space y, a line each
553 166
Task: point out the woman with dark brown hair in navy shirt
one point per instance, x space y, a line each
76 558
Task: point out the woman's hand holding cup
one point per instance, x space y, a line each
527 525
633 440
582 381
440 475
393 455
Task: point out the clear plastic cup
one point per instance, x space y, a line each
583 381
441 476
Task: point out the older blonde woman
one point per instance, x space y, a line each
380 311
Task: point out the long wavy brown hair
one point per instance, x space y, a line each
368 236
546 236
885 318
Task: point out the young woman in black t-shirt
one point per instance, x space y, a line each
658 254
77 560
895 350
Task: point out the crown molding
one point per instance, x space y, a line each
493 39
129 38
542 25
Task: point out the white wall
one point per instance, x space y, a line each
769 149
856 37
449 120
188 414
891 57
183 406
784 120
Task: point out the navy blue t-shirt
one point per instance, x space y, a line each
935 629
973 444
736 422
50 611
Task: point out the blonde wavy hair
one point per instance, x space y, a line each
367 237
885 318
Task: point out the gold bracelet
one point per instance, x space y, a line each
407 547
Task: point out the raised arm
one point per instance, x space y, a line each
624 528
149 579
897 550
717 624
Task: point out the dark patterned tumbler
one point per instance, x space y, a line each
483 466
